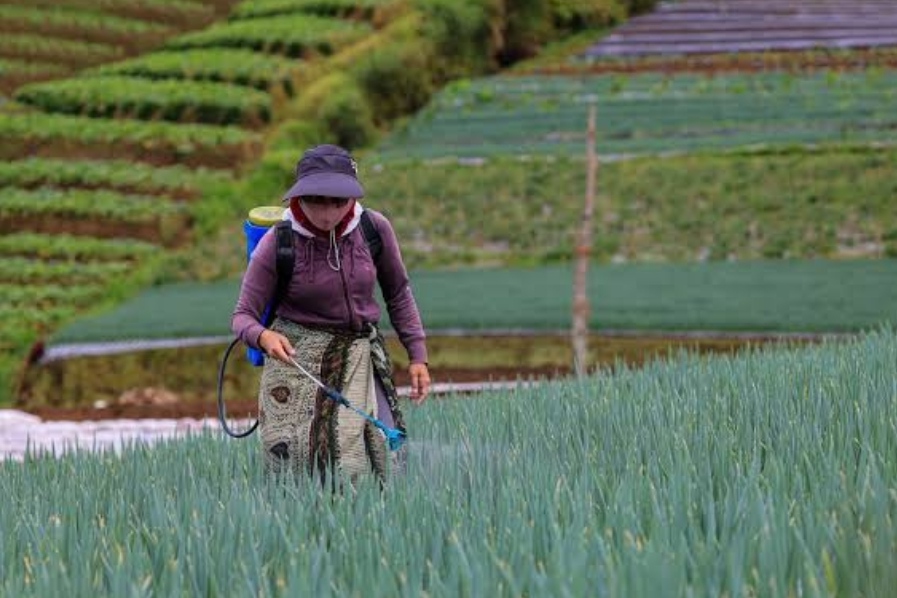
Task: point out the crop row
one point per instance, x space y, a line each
239 67
17 270
68 52
127 177
14 73
83 26
802 205
160 143
359 9
183 101
20 322
176 13
649 114
101 214
83 204
11 66
293 35
33 297
62 246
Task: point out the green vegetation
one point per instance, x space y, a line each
83 204
82 26
118 175
836 202
175 13
127 97
16 297
239 67
14 73
35 126
365 9
55 247
71 53
767 474
26 271
10 67
43 40
648 114
775 295
296 36
160 143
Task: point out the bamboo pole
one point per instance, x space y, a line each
581 309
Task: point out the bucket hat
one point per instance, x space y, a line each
328 171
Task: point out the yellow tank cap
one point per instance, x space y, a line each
266 215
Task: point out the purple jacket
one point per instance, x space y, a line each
320 296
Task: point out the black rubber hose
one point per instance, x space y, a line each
222 413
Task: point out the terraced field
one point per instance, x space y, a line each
649 114
729 26
47 39
127 120
791 163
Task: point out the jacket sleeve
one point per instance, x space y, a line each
257 287
396 288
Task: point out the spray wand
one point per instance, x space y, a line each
394 437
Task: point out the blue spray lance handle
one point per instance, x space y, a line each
395 438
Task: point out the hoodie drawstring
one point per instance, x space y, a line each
334 248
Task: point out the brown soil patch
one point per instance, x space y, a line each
243 407
132 42
156 152
712 64
173 232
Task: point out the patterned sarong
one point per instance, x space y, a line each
302 430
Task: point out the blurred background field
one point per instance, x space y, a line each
136 135
649 114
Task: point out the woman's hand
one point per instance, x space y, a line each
420 382
276 345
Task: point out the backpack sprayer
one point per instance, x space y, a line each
260 220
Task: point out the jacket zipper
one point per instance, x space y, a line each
349 309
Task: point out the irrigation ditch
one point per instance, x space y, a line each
178 378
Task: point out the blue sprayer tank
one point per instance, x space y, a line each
260 220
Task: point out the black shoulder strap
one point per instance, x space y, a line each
371 235
285 258
283 232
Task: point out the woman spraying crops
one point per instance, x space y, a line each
326 321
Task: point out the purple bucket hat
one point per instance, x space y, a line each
328 171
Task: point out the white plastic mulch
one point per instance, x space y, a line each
20 431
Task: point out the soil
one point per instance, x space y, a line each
93 226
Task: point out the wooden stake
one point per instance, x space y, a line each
581 309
